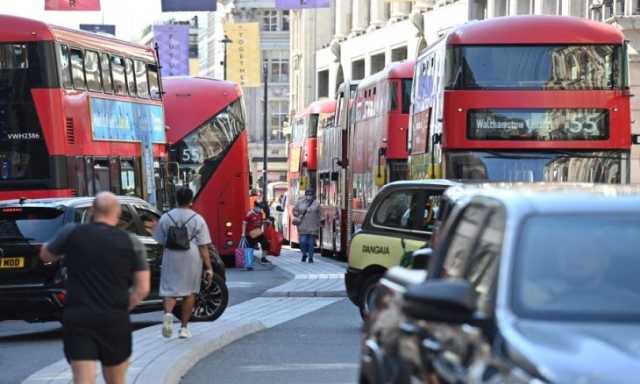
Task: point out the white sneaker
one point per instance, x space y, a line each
167 325
184 333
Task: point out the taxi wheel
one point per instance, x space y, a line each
368 294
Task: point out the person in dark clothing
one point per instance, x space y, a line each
102 262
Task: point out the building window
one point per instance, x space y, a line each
636 7
524 6
399 54
279 112
619 7
378 62
270 20
278 64
323 83
285 20
577 8
357 69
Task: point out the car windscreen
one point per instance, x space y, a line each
578 267
29 223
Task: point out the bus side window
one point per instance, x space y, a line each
131 79
154 84
101 179
142 83
77 69
92 71
105 69
117 73
65 67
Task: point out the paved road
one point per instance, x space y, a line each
25 348
319 348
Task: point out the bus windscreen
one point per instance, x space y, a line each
553 67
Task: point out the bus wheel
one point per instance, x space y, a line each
211 302
368 295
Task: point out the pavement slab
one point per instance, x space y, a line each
165 361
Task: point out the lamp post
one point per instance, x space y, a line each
225 41
265 73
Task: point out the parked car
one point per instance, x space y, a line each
528 286
399 221
33 291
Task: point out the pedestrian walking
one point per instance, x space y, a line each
252 229
306 216
101 262
186 240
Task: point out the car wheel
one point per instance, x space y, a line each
211 302
367 295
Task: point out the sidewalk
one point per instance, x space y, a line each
159 360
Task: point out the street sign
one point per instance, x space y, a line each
99 28
72 5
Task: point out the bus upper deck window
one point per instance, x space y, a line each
77 69
65 67
131 79
105 69
117 73
142 83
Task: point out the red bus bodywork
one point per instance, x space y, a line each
303 157
558 130
196 111
60 152
378 150
333 173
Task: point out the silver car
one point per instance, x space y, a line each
533 285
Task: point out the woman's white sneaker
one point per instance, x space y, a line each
184 333
167 325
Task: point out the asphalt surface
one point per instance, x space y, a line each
322 347
25 347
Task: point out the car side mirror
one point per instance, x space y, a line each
279 208
421 257
448 301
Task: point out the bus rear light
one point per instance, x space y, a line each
228 224
229 234
229 243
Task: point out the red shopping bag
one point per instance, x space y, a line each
275 239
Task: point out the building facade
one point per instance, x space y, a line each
367 35
274 43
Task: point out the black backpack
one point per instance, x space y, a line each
178 236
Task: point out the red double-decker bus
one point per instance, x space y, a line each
206 130
333 190
495 101
378 150
79 113
303 157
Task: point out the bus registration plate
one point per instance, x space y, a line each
11 262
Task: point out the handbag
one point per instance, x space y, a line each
275 239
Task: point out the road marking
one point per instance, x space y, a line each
298 367
240 284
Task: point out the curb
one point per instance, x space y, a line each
175 368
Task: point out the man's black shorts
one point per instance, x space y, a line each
110 345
